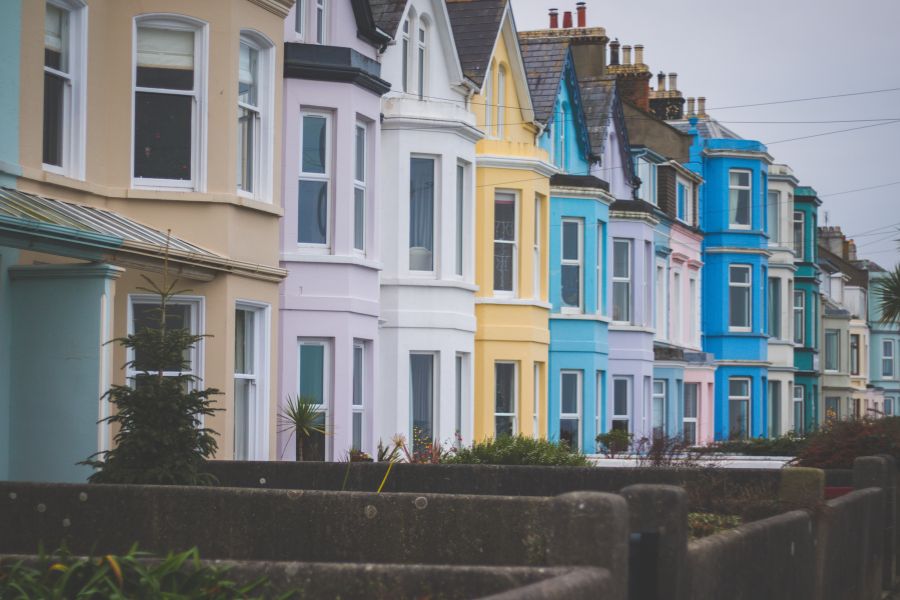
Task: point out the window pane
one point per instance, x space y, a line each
165 59
248 75
312 219
421 214
162 136
571 285
359 219
568 432
620 397
504 401
312 372
54 104
421 370
314 144
570 240
569 393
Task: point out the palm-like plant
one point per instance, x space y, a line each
888 291
302 417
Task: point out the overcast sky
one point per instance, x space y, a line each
779 50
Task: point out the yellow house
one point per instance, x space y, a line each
511 222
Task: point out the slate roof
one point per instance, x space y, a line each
476 25
544 61
387 14
597 98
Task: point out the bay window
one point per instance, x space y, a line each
739 297
738 408
505 399
572 267
421 214
313 215
622 273
740 194
169 91
505 243
570 408
314 384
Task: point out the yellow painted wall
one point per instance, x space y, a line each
514 329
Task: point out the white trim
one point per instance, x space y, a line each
199 113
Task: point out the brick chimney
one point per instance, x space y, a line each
633 79
667 104
554 18
581 9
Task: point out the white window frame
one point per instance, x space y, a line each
749 189
360 185
258 422
360 407
199 94
515 398
798 397
799 310
536 250
828 355
748 286
740 398
322 177
629 394
327 407
627 280
197 307
774 215
321 22
74 117
264 144
501 100
579 400
885 359
661 397
578 262
799 245
421 59
536 401
696 418
514 243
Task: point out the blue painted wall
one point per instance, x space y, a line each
56 369
10 41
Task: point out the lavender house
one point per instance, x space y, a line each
330 234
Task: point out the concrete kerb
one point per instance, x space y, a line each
576 529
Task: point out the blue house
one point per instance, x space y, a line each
579 216
733 217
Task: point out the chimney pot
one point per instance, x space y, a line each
673 82
614 52
690 107
638 54
554 18
701 107
582 13
567 19
661 82
626 54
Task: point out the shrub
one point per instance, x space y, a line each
161 439
614 441
517 450
785 445
128 576
838 443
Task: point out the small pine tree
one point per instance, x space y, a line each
161 439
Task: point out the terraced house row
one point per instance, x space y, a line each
428 222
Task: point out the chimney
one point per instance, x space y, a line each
701 107
661 82
690 110
614 52
638 54
626 54
554 18
567 19
582 13
673 81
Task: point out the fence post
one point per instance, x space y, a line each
659 536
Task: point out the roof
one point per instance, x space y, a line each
707 128
476 26
387 14
545 59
